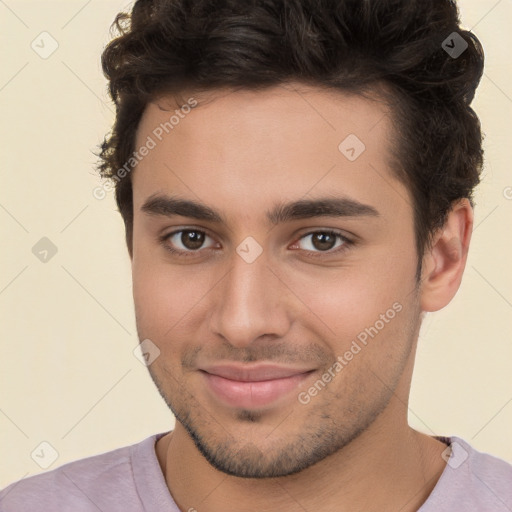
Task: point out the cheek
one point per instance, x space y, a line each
351 298
362 308
166 297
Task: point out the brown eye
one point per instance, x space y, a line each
185 242
192 240
324 241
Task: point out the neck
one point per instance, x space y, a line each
378 471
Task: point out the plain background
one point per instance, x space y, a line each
68 373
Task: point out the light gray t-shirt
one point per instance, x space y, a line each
129 479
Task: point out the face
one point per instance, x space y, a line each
279 331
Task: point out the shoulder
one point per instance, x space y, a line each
87 484
483 467
472 480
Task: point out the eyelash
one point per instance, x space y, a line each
311 254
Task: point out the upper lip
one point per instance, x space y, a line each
253 373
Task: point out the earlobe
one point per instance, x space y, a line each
445 260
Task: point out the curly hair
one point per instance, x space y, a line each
397 47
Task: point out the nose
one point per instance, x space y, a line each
251 302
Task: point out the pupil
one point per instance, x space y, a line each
192 239
324 241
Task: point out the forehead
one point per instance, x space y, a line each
265 146
292 110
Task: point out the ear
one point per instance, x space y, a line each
445 260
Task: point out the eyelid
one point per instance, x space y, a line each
342 233
347 242
165 237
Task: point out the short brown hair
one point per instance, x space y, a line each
347 45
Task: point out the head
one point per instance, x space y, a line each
319 160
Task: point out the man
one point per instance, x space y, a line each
296 184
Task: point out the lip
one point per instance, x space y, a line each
252 386
253 373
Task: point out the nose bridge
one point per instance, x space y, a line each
248 302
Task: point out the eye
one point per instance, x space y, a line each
322 242
188 241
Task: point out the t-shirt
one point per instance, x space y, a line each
129 479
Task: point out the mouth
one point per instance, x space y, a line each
252 387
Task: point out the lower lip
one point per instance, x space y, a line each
252 394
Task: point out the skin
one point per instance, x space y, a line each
350 447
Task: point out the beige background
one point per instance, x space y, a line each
68 374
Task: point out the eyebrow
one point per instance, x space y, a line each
169 206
